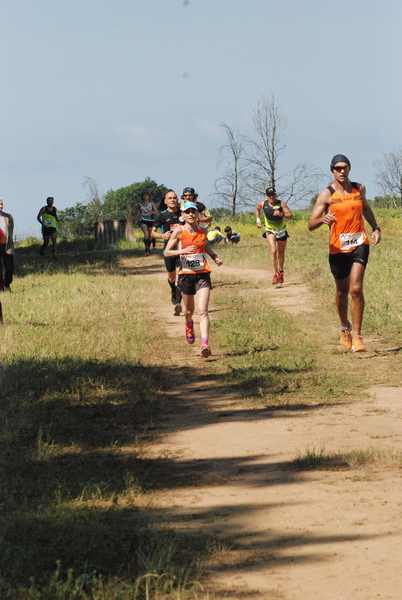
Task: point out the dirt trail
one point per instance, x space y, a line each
284 533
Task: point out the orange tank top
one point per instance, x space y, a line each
191 264
348 232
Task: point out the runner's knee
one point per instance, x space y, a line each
341 293
356 290
203 313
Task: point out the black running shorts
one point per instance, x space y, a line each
341 264
171 262
49 232
190 284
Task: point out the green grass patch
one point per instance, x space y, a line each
270 357
82 388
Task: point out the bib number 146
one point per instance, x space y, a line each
350 240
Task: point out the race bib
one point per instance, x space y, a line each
280 233
3 237
351 240
194 262
49 220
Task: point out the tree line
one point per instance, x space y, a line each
79 220
247 165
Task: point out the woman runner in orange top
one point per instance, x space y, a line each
343 207
190 243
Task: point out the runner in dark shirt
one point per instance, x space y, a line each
49 220
165 222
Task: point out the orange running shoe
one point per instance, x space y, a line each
281 276
345 339
275 278
358 344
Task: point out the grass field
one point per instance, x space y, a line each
78 399
83 382
307 253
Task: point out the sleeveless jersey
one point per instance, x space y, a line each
348 232
147 211
272 222
49 220
3 230
192 264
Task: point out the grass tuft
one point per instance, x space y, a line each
320 459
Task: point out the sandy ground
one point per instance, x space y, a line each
283 533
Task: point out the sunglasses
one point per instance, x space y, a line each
340 169
190 211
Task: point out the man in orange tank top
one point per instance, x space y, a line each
343 207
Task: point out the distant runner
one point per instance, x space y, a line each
194 274
166 221
6 249
343 207
49 220
204 216
147 212
274 212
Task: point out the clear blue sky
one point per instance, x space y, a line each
123 90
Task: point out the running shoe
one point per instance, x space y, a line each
177 310
275 278
358 344
345 339
280 276
190 335
205 350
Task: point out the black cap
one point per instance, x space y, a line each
339 158
189 190
270 191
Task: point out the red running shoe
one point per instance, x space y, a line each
189 329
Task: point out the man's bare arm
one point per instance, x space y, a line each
370 217
40 213
320 214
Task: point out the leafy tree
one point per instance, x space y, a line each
79 220
76 221
120 203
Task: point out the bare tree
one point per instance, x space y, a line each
94 198
264 152
228 186
389 176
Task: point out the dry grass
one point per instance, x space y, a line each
320 459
